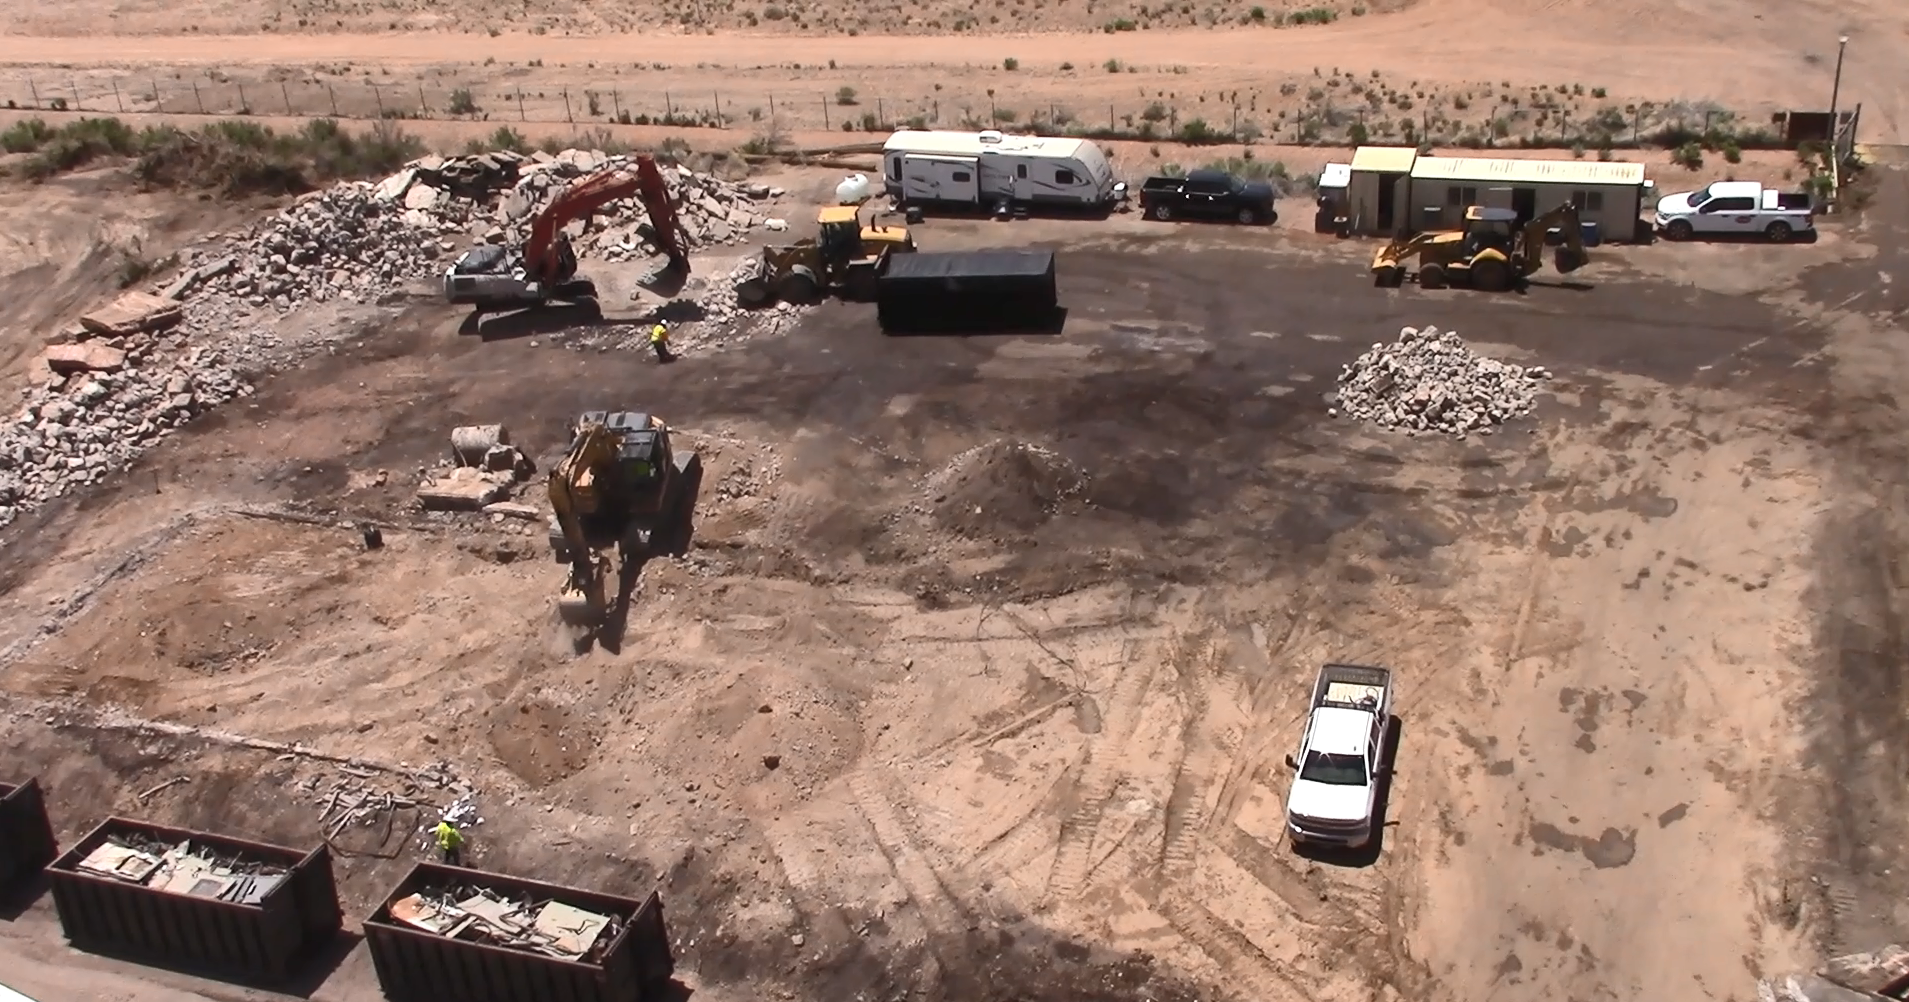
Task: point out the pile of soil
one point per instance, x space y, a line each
1003 485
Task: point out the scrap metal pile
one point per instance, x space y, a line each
1429 380
481 915
185 868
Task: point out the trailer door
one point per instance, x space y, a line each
939 179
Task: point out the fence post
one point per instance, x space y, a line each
567 116
198 97
937 110
36 92
157 101
616 106
116 101
75 88
424 109
669 109
825 111
719 108
772 111
286 92
880 117
378 96
1110 118
520 106
333 96
245 107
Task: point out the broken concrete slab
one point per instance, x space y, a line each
513 509
131 313
396 186
86 356
465 489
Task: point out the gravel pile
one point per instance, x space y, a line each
1428 380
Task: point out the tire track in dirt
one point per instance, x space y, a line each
1258 712
1074 855
1255 977
1197 668
896 838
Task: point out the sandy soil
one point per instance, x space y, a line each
977 677
1739 58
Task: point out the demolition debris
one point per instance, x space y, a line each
186 868
481 915
1428 380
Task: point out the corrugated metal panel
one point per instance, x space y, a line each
27 844
1506 170
418 966
262 941
1384 159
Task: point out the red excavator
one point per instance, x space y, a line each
494 277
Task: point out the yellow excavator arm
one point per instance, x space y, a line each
573 495
1570 256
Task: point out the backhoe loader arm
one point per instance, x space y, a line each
1571 255
541 257
573 494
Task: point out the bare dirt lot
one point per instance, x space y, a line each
978 676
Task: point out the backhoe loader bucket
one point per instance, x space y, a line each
1567 260
575 608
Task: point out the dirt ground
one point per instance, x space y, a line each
978 675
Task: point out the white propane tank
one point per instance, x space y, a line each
853 190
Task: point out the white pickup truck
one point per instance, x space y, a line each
1342 757
1735 208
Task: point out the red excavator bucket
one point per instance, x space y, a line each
655 197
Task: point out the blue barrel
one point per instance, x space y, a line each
1590 233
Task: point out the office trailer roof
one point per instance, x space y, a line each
1494 170
1384 159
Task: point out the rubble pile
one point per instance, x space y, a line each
1428 380
363 798
340 243
102 402
184 868
507 190
482 915
482 471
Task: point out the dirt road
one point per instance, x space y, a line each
978 678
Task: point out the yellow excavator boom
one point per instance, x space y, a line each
573 495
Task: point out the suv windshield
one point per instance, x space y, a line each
1333 770
1700 196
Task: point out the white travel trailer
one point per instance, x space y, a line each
989 169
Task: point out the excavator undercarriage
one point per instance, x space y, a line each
621 488
1492 253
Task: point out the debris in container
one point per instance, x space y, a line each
481 915
187 868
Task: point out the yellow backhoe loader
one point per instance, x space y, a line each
1492 253
843 260
619 485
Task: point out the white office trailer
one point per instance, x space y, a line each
991 169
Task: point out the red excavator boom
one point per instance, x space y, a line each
547 255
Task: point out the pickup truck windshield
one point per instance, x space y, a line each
1700 196
1334 770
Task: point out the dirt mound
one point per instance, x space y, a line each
1002 485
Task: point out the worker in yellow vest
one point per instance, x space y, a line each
450 842
659 341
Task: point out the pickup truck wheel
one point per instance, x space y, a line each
1779 232
1162 213
1680 229
1249 216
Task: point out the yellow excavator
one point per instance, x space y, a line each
844 259
619 485
1492 253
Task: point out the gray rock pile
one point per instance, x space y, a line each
77 427
1429 380
339 243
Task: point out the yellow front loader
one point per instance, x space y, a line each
1492 253
844 259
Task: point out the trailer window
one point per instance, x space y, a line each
960 177
1020 170
1593 201
894 168
1064 176
1459 198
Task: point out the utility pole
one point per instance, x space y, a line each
1835 149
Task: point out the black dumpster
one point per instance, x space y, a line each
424 952
226 905
961 292
27 844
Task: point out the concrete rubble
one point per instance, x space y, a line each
483 470
1859 977
482 915
1429 381
182 869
